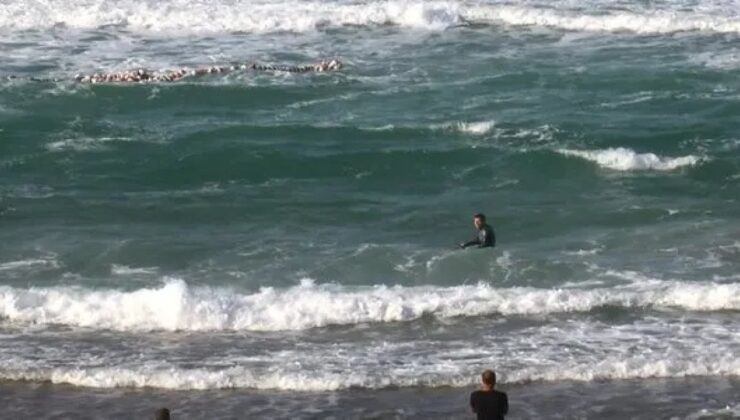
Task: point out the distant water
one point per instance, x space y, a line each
296 232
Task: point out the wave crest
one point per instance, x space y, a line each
176 306
186 16
167 376
623 159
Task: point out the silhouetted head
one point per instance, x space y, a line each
488 378
162 414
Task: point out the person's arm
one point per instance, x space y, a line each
505 405
474 402
475 241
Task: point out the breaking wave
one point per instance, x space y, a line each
175 306
623 159
187 16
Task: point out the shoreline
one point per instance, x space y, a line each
689 398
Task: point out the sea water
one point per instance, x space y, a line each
275 235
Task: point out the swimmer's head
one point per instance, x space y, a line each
479 220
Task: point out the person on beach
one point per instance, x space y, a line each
162 414
486 238
487 403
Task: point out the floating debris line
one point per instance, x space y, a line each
147 76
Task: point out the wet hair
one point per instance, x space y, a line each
480 216
162 414
488 377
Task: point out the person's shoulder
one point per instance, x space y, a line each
476 394
500 393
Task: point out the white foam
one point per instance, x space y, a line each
584 252
123 270
642 22
176 306
28 263
576 350
731 411
387 127
476 128
82 144
630 99
542 134
723 59
635 367
623 159
224 15
29 191
239 377
188 16
506 183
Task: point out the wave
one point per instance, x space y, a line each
722 60
623 159
358 373
123 270
730 411
475 128
644 22
48 262
175 306
83 144
225 16
187 16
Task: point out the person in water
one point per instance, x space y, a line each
487 403
486 238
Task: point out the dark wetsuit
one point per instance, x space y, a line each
486 238
489 405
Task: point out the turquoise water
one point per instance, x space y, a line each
288 231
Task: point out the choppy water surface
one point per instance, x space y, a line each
279 231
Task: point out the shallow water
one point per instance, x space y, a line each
691 399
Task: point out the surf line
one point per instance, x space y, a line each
146 76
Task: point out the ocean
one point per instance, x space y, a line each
276 244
